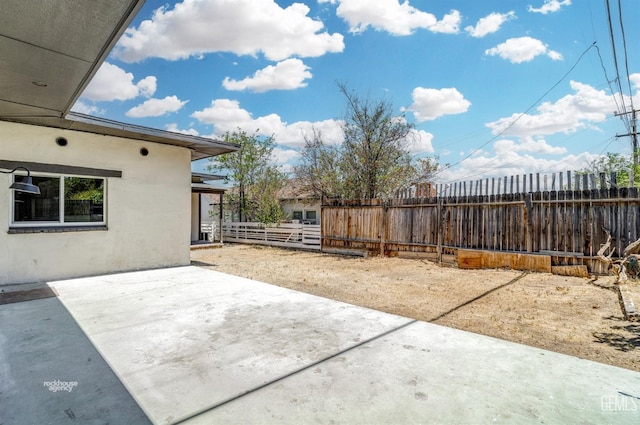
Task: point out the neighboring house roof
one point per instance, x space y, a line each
293 190
205 188
199 185
50 52
204 177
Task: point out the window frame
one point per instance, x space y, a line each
13 225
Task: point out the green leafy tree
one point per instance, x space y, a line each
372 162
426 169
256 181
614 162
375 158
263 196
319 169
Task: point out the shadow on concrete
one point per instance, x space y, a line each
50 373
201 264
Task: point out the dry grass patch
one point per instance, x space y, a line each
558 313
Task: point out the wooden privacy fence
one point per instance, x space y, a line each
565 225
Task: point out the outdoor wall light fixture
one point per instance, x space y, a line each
26 185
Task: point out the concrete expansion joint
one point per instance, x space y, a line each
295 372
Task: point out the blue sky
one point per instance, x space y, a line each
494 87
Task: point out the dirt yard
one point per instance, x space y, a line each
575 316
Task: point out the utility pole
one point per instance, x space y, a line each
633 134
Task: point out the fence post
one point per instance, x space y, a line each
440 215
528 222
383 226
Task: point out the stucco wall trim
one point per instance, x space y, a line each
60 169
55 229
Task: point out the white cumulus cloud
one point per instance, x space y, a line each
286 75
113 83
227 115
550 6
635 80
293 134
527 144
147 86
283 156
489 24
429 104
394 17
243 27
83 108
173 127
420 142
513 163
156 107
585 108
522 49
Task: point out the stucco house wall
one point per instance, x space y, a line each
147 215
195 217
289 206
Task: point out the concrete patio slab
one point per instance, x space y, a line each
429 374
185 339
50 373
195 346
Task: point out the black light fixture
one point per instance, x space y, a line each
26 185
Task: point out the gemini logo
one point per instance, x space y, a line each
619 403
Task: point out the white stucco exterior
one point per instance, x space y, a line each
205 210
209 207
147 209
195 217
304 206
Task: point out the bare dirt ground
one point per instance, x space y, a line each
575 316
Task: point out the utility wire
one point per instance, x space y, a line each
626 57
512 123
623 112
609 81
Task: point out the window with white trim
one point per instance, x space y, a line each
63 201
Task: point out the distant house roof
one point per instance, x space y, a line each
204 177
294 190
199 185
65 42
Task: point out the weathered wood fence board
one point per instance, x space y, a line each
566 222
468 259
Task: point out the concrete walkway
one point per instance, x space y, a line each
195 346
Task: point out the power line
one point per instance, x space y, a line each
631 122
484 169
626 56
623 110
609 81
512 123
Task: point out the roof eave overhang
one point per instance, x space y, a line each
205 188
126 19
200 147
